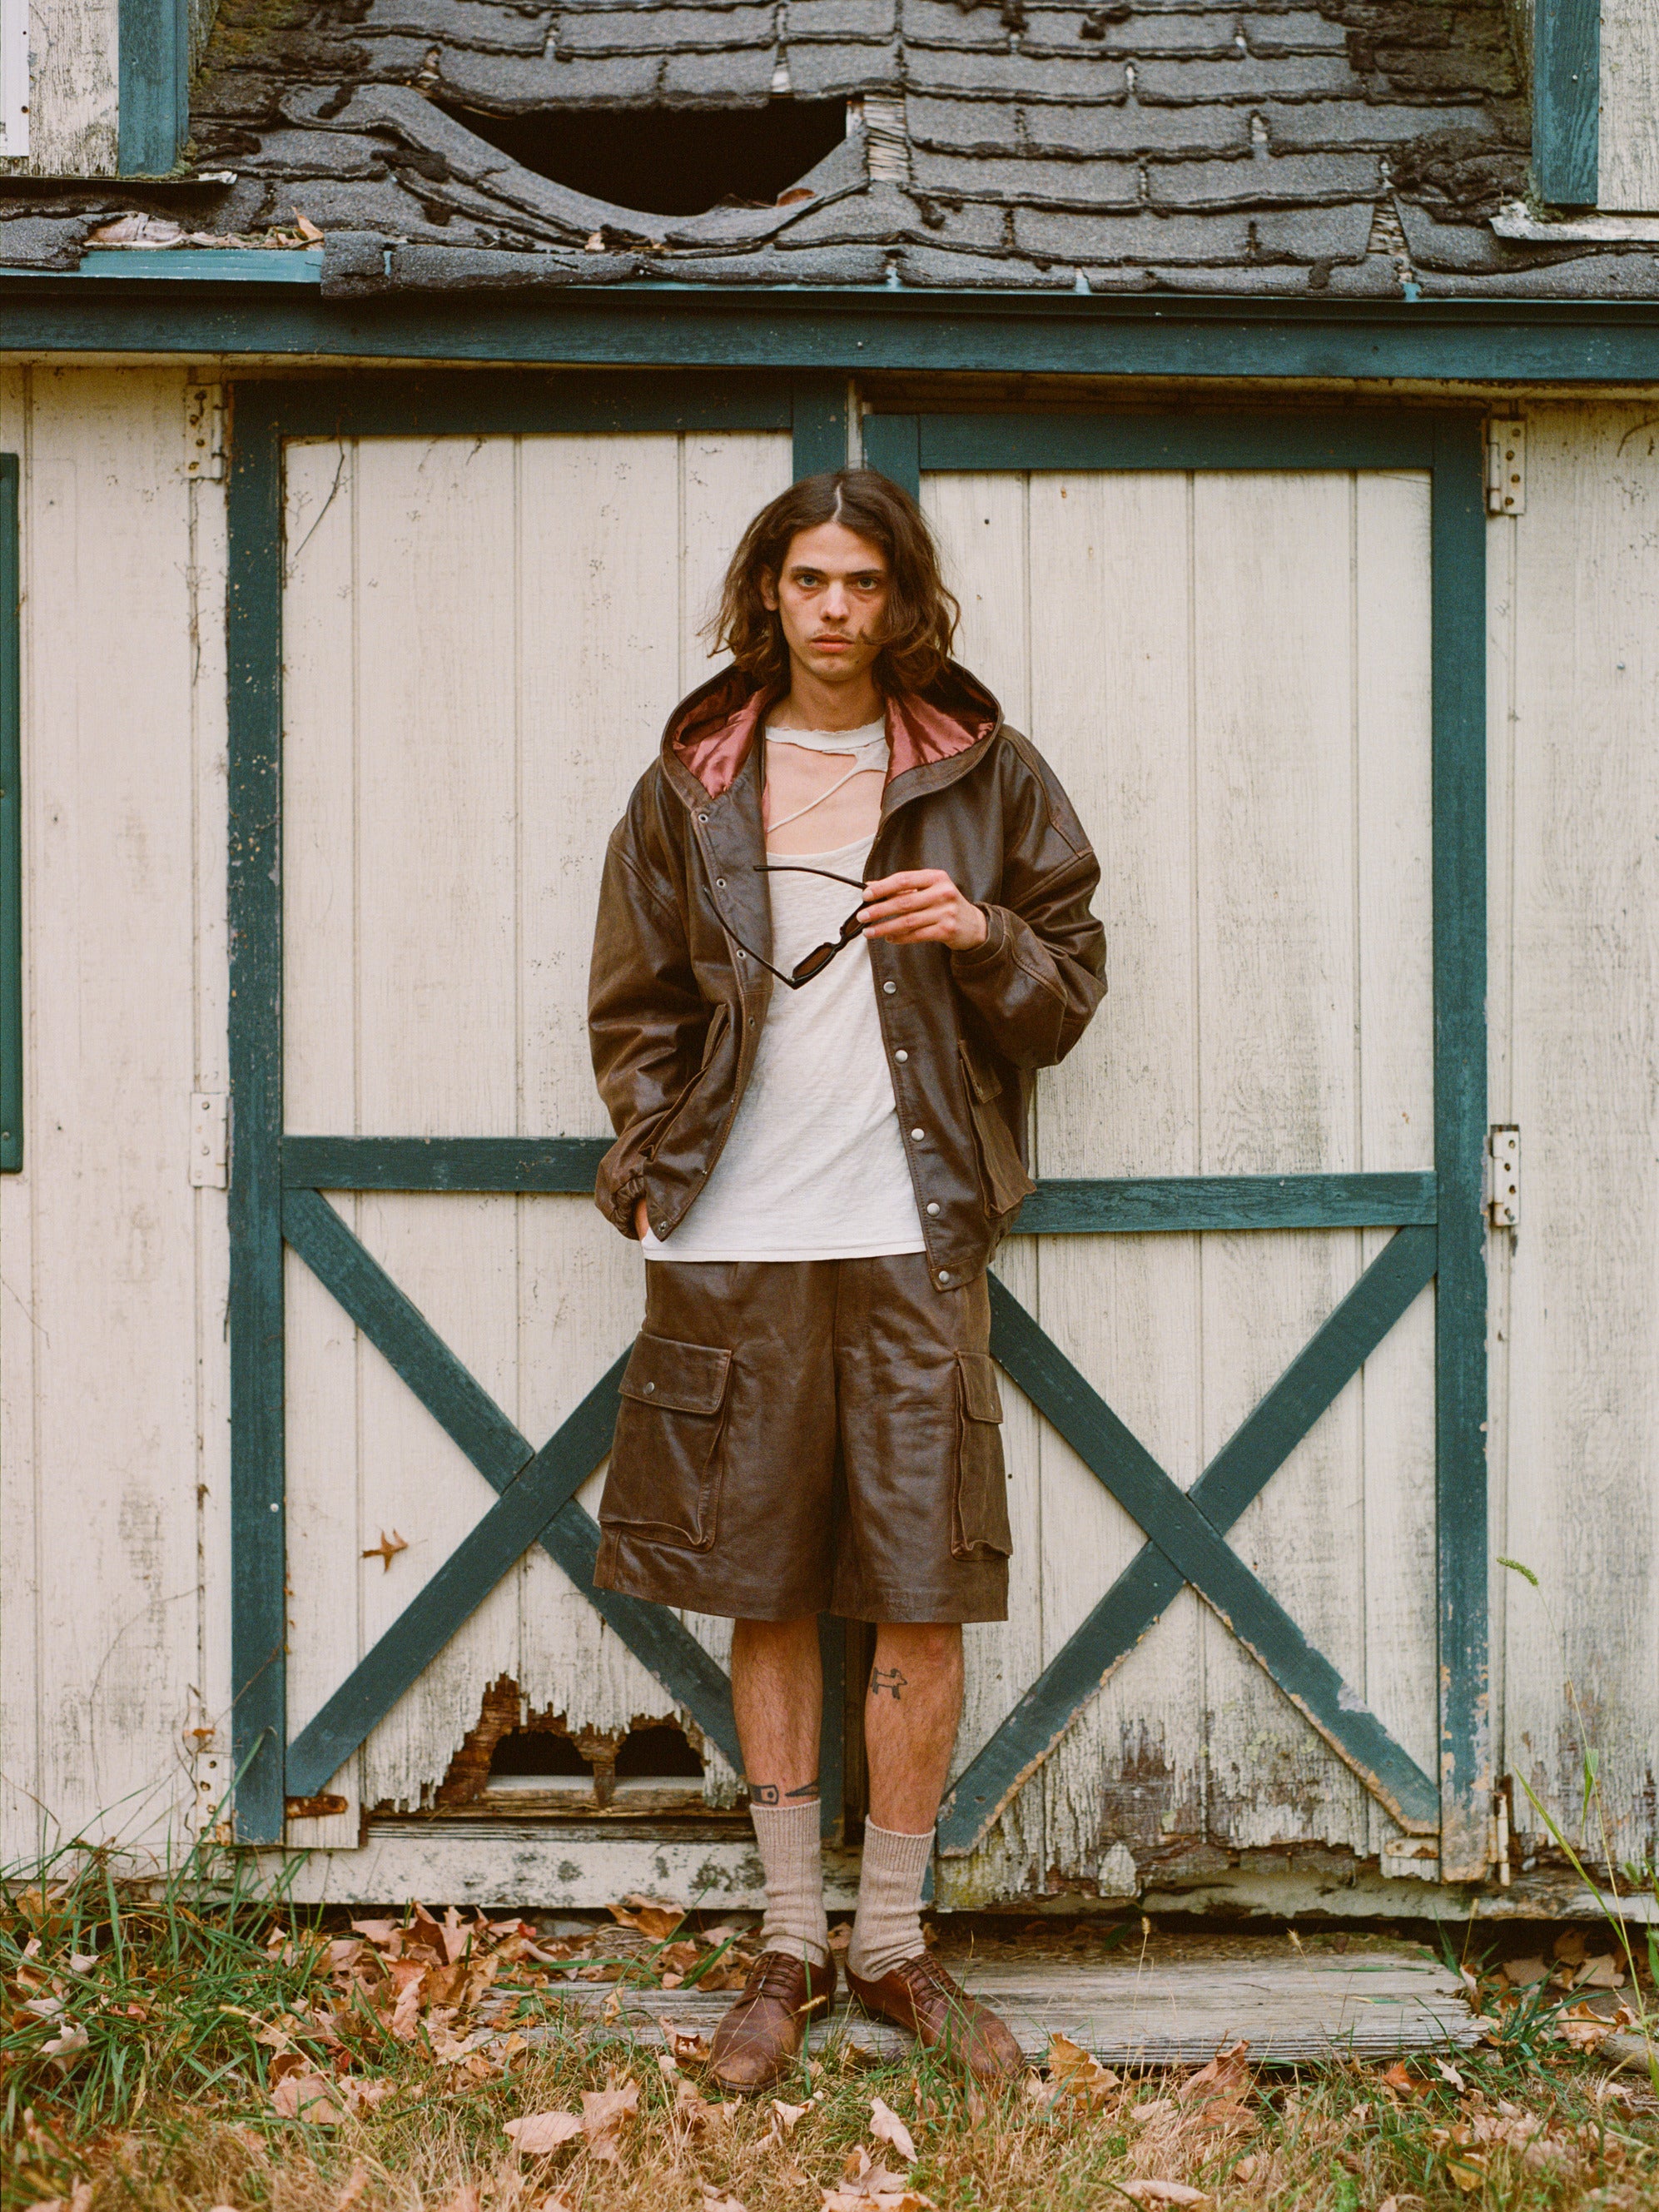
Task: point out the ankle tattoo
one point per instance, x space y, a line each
887 1679
774 1793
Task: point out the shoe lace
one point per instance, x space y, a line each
775 1974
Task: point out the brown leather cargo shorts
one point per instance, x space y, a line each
810 1436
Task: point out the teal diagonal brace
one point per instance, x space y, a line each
1202 1557
1239 1473
529 1502
403 1337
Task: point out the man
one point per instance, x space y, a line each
821 1104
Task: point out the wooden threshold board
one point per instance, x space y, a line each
1173 2011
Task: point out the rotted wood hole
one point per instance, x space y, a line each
519 1762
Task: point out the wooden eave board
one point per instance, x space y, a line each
1180 2010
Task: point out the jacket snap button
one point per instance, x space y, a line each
649 1388
944 1275
720 883
918 1134
890 988
901 1055
933 1205
702 817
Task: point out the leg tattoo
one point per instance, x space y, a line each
771 1793
889 1679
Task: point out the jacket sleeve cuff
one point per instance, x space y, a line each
995 944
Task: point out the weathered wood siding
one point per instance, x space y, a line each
1627 177
73 90
112 1438
485 639
1229 672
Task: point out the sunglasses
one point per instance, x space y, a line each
821 955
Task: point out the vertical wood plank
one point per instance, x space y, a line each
1278 1089
981 524
1112 563
112 1310
438 1014
1583 1464
1394 735
1628 167
22 1820
320 995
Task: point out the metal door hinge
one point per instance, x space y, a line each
210 1145
1506 467
1503 1199
204 433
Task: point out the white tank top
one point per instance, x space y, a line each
814 1168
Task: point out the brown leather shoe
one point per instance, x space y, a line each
761 2035
921 1995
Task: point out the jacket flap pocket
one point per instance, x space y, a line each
685 1378
983 1079
981 1401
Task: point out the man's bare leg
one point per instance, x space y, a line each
777 1696
911 1712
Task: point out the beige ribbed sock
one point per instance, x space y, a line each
792 1858
887 1925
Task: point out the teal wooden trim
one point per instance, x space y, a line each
153 91
1237 1476
259 1631
414 1351
487 403
1574 342
1134 1204
542 1487
1458 529
892 444
819 424
1179 438
1130 1205
11 823
1198 1554
473 1164
201 264
403 1337
1566 102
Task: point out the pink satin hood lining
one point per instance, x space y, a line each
712 738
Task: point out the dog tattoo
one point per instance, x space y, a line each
889 1679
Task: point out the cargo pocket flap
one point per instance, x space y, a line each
981 1401
684 1378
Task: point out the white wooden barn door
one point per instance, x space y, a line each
1223 633
482 637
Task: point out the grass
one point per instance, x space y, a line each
181 2047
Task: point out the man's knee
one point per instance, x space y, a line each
931 1646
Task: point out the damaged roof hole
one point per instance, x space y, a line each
657 1754
668 161
530 1757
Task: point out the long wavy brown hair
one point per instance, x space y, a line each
921 615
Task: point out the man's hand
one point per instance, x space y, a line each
921 906
640 1222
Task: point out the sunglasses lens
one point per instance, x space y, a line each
819 957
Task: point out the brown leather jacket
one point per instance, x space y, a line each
675 1011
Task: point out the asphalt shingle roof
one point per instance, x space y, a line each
1357 147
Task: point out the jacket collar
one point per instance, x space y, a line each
711 733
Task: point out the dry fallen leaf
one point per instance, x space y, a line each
385 1552
654 1917
307 2096
1600 1973
886 2126
307 229
713 2200
538 2133
784 2117
1397 2078
1519 1974
1161 2192
1448 2072
605 2112
1077 2073
1226 2076
355 2185
685 2044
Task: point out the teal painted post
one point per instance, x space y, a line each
892 443
153 86
258 1623
1459 551
1566 130
819 422
12 826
